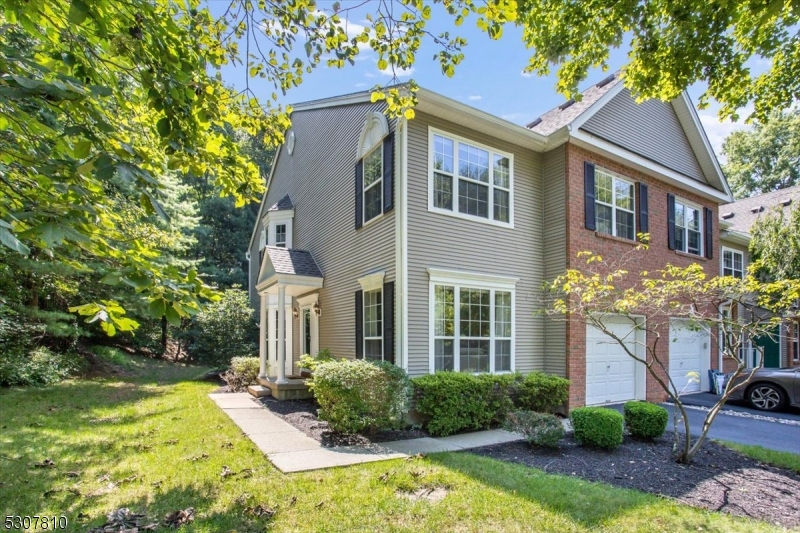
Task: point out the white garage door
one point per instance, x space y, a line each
610 371
688 357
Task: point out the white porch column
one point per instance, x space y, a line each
281 334
262 338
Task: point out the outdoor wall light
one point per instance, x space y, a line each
317 309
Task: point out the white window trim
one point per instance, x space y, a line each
469 280
722 260
699 209
373 281
364 323
285 235
377 183
455 212
614 176
306 303
275 218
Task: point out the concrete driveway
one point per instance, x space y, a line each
741 424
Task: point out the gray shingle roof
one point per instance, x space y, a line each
283 204
297 262
564 114
742 214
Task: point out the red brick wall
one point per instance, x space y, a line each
656 257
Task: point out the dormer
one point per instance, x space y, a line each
277 224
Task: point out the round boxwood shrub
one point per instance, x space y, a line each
361 396
539 429
597 426
543 392
645 420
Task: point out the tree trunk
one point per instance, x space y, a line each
164 334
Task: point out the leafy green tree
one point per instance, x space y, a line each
775 245
765 158
672 45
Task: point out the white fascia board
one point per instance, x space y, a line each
441 106
699 142
735 237
625 157
293 283
283 215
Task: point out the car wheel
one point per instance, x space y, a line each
766 397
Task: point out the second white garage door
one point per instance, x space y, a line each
688 354
611 374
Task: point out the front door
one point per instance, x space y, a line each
772 348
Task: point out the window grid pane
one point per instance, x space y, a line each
280 235
442 154
614 214
688 234
501 172
373 190
373 163
443 191
473 198
501 210
473 163
373 325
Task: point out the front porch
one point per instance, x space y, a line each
286 277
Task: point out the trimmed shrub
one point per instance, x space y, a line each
597 426
243 372
543 392
540 429
309 363
356 395
645 420
223 330
455 401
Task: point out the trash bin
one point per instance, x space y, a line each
716 381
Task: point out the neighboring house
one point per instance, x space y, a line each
736 222
426 242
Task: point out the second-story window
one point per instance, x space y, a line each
614 205
733 263
688 231
470 180
373 184
280 235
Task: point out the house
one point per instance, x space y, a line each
780 350
426 242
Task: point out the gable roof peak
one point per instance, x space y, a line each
284 204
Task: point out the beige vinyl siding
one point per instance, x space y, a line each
555 252
320 179
441 241
650 129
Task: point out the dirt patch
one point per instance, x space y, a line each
719 479
431 494
302 414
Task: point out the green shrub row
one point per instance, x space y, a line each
360 396
539 429
451 402
603 428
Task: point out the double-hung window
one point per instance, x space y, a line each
472 328
732 263
469 179
614 208
373 183
688 230
373 325
280 235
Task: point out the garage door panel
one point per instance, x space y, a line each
610 371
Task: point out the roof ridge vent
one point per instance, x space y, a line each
727 215
605 81
566 104
757 209
534 123
786 202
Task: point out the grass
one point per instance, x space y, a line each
787 460
155 443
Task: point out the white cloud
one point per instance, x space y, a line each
475 97
717 130
526 74
361 85
369 75
399 72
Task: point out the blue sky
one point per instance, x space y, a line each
490 77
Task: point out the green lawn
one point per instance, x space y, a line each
767 456
155 443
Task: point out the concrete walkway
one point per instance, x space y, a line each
290 450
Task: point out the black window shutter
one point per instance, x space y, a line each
359 324
588 202
388 173
644 223
708 224
671 221
388 322
359 192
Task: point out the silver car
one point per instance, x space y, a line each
770 389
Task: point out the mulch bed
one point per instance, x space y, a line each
302 414
719 479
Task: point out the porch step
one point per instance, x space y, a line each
259 391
